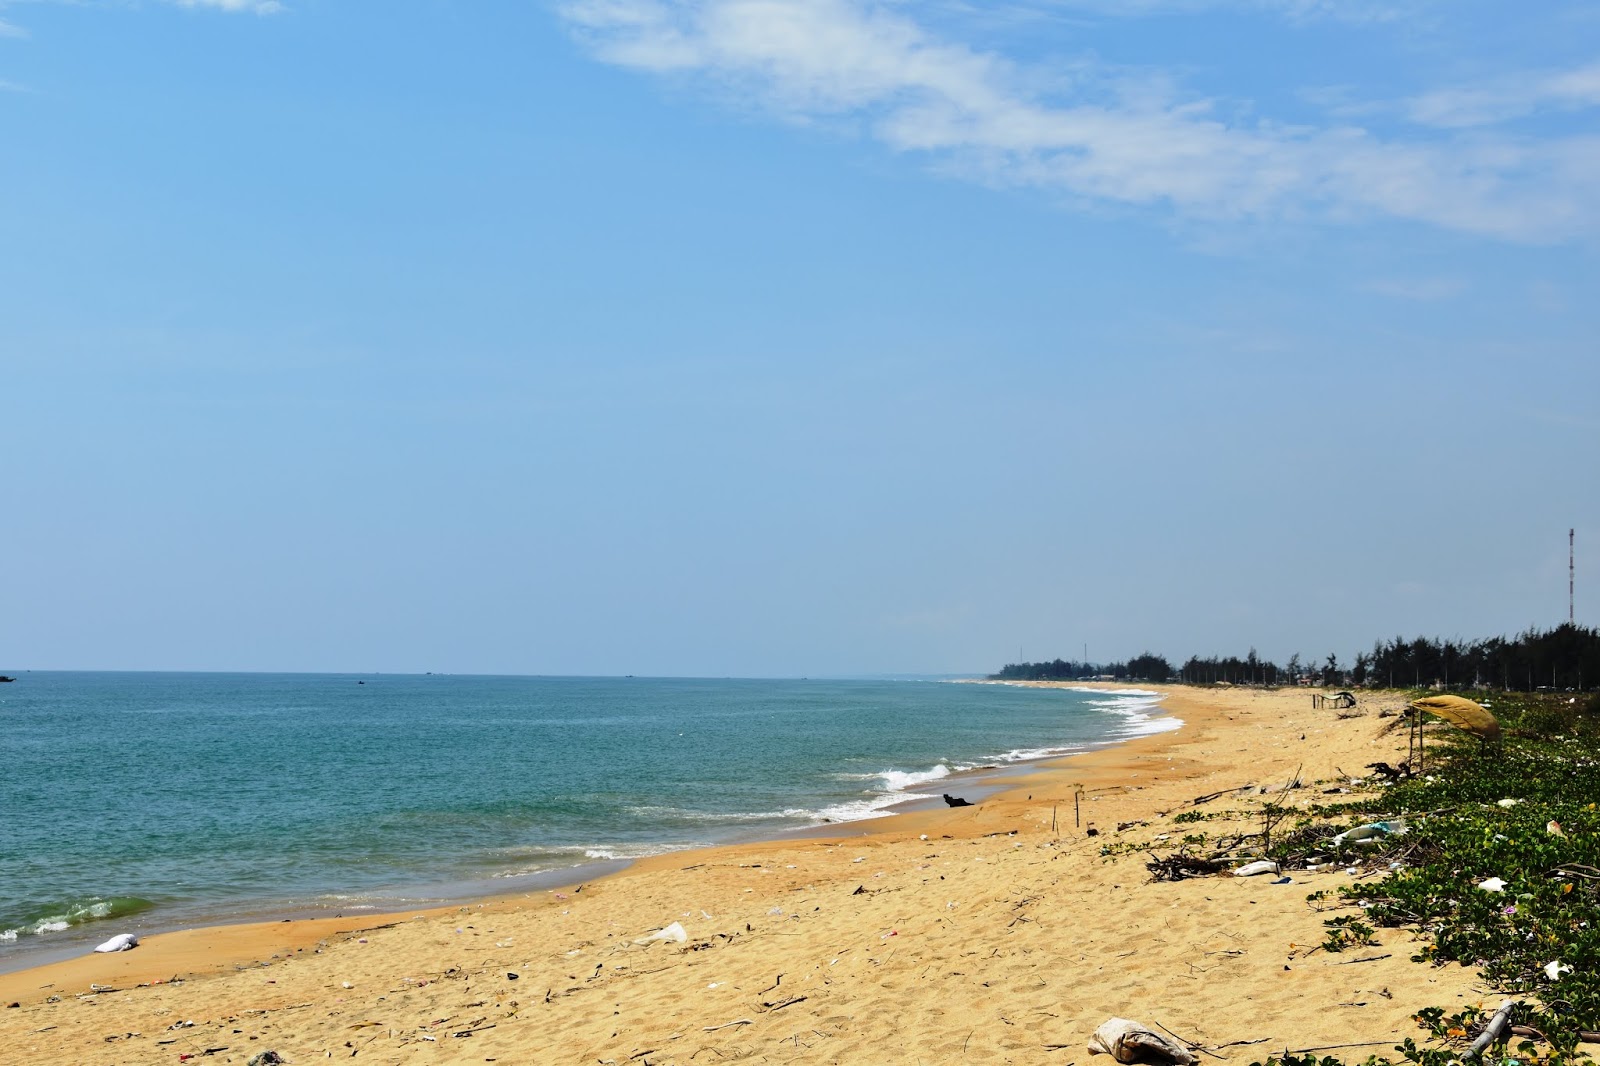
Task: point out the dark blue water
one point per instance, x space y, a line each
143 801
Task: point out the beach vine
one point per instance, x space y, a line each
1498 868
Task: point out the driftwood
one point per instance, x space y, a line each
1181 865
1392 773
1227 791
1492 1033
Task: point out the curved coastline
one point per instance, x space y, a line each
201 949
985 932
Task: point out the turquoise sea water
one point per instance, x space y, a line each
137 802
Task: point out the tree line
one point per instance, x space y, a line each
1146 667
1566 657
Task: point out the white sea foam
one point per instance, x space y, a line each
858 810
8 934
613 852
903 780
1034 754
1140 710
685 815
907 780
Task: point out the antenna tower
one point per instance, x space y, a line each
1570 572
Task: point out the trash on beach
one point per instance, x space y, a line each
1284 881
1507 803
1129 1042
1253 869
674 933
266 1058
1373 831
120 942
1492 884
1554 970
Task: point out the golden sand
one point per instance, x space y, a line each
997 933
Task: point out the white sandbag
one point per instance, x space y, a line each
1131 1042
1264 866
120 942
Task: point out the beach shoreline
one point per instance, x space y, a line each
827 913
232 940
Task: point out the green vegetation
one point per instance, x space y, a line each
1564 658
1499 868
1146 667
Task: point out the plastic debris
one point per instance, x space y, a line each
1507 803
673 933
1371 831
120 942
1262 866
266 1058
1492 884
1554 970
1129 1042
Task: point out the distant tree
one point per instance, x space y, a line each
1330 670
1358 674
1150 667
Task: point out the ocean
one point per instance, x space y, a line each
136 802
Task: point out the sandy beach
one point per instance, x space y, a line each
993 933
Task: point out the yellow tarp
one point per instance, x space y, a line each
1462 712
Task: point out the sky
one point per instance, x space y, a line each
791 337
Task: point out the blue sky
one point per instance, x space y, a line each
769 337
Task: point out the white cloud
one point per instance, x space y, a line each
253 7
1094 138
1509 98
1355 11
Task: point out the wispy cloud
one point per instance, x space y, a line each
253 7
1509 98
1098 137
1359 11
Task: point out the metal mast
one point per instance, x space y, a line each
1570 572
